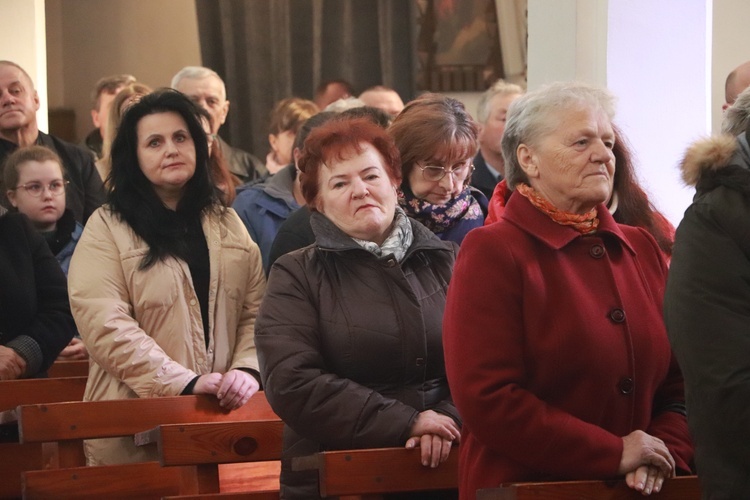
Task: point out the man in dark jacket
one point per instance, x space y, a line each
489 167
707 310
206 89
19 103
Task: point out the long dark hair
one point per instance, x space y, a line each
633 206
132 196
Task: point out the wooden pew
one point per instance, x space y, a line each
679 488
68 424
206 445
145 481
253 495
15 457
14 393
76 368
376 471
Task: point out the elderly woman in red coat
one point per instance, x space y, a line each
558 360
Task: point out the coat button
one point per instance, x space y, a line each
626 385
391 262
192 302
597 251
420 361
617 315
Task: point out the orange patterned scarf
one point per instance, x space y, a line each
583 223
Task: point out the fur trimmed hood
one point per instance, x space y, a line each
707 155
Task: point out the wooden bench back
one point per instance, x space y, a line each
40 390
382 470
76 368
68 424
250 495
116 418
23 457
145 481
679 488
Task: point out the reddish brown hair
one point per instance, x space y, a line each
634 208
434 124
335 140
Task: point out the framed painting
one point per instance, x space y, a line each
458 45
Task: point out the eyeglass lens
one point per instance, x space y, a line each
36 189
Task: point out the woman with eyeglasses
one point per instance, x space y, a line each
437 140
349 331
35 319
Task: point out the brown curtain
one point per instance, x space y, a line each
267 50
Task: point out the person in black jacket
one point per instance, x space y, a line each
19 103
707 306
349 332
35 319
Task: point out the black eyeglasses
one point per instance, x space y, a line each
36 189
434 173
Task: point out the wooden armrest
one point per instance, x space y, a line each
216 442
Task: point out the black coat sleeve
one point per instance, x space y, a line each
37 322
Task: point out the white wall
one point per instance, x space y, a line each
655 57
150 39
659 67
23 41
731 47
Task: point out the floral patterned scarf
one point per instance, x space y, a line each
583 223
457 217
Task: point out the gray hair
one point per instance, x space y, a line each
196 73
500 87
737 116
344 104
533 116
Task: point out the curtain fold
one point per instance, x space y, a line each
267 50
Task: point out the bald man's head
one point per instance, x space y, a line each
737 81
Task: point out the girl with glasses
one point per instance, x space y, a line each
36 184
39 184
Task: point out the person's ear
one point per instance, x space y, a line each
296 154
95 118
11 194
527 160
224 113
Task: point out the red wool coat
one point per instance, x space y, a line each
555 348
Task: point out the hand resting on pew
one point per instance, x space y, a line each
646 462
434 434
233 389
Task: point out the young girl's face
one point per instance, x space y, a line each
45 209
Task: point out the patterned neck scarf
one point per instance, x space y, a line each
397 243
583 223
463 209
